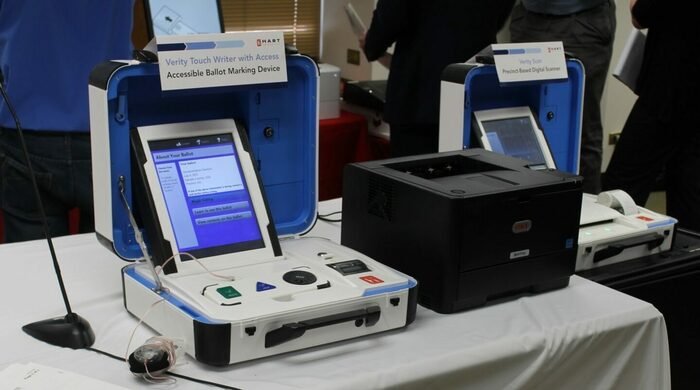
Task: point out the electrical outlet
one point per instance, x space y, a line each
613 138
353 57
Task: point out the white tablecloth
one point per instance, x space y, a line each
585 336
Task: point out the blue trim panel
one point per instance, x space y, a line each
196 316
386 290
668 222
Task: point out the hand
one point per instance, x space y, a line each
635 23
361 40
385 60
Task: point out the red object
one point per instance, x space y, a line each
371 279
73 220
341 141
379 147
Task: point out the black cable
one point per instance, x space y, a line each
115 357
312 226
322 218
219 385
201 381
689 232
329 219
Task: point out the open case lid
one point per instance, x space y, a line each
281 120
557 105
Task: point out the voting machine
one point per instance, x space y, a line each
207 190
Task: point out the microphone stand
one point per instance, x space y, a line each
70 330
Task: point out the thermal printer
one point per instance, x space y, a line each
472 226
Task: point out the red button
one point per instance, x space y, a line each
371 279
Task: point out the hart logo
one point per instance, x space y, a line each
267 41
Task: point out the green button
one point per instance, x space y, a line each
228 292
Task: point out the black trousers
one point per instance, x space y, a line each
410 140
589 36
63 169
650 147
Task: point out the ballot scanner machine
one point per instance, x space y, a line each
614 229
554 106
540 121
208 190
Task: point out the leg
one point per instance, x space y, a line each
640 155
594 34
527 26
409 140
683 177
82 181
19 203
589 36
21 210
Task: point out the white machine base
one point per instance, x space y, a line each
260 313
615 229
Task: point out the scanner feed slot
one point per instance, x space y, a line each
651 240
294 330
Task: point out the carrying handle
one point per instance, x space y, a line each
294 330
652 241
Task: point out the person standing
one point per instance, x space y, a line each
47 50
662 133
429 35
587 29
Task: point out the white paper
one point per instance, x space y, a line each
358 27
215 60
32 376
517 62
630 62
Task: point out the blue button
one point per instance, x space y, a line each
263 286
569 243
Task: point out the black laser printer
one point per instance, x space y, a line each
472 226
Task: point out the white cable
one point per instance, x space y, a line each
225 277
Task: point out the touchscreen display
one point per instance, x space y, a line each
515 137
184 17
206 196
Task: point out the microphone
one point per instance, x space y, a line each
71 330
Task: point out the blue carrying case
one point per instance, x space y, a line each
556 104
280 118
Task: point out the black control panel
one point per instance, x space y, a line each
350 267
299 277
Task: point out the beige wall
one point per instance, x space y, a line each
617 99
338 37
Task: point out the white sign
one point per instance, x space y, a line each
215 60
529 61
